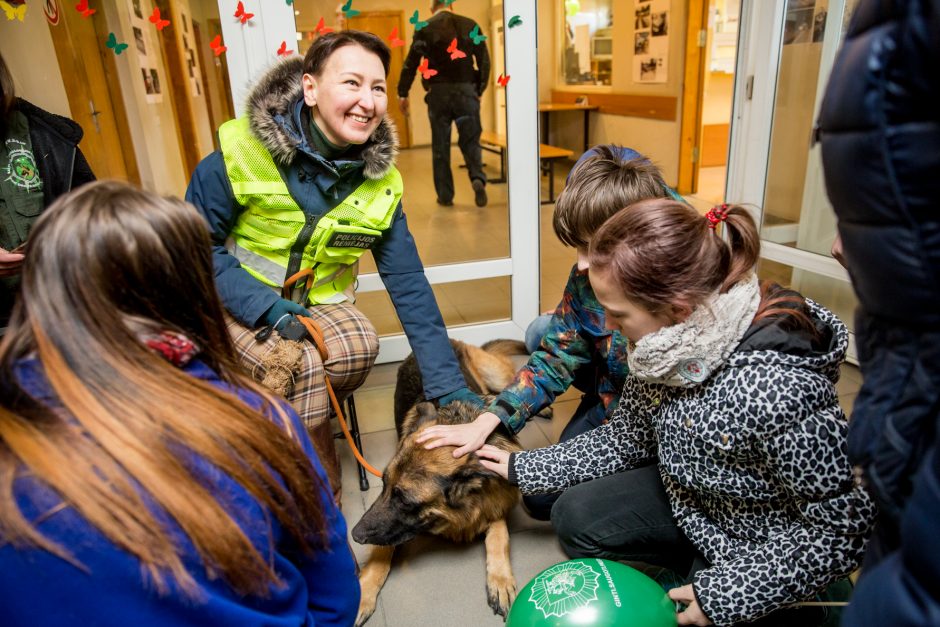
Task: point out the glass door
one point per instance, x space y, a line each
786 57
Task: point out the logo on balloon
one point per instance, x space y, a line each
564 588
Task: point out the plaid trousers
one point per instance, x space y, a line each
353 345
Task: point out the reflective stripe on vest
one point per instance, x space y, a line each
267 230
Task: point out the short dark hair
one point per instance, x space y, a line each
7 95
325 45
600 186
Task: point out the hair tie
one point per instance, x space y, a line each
718 213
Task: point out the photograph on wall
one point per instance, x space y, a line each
819 26
798 28
642 17
185 22
139 38
658 24
136 7
641 43
155 79
148 81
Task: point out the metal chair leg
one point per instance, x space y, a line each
354 432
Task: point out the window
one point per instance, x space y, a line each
587 56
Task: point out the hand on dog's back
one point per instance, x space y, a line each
467 437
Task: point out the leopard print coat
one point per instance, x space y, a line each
754 464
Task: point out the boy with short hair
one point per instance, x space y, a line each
576 349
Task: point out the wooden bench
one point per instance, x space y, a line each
548 155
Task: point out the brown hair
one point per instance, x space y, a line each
598 187
7 96
325 45
107 263
663 253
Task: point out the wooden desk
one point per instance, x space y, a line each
546 108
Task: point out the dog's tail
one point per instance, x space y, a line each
506 348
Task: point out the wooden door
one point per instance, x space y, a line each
690 148
94 93
381 23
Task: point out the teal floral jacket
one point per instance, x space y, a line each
576 349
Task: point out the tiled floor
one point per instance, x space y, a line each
435 583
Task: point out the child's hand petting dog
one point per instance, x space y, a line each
692 614
468 437
495 459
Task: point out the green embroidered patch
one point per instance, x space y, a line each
21 169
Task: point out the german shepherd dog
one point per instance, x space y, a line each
428 491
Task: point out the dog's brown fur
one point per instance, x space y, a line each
428 491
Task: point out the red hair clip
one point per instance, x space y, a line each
716 214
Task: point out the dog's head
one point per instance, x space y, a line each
428 491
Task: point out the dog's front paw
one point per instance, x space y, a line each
500 593
366 609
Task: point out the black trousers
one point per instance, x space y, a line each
454 103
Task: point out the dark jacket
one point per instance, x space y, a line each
753 462
39 588
62 167
880 133
432 41
276 111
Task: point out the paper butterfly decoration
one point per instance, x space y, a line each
155 18
419 24
447 3
426 72
290 2
514 21
476 36
502 80
240 13
348 11
322 28
393 39
216 45
114 45
454 53
283 51
82 7
13 13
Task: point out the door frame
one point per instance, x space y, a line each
690 149
250 52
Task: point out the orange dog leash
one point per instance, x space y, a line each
316 336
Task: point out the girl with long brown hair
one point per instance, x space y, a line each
731 395
143 478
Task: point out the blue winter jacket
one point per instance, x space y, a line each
40 589
880 132
277 116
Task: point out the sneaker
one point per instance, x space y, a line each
479 193
445 203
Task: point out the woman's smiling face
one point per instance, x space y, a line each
349 97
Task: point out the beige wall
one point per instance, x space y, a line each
478 10
657 139
717 95
27 49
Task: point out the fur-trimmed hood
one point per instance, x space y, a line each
270 109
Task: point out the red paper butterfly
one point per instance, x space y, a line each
426 72
155 18
502 80
283 51
393 39
82 7
240 13
454 53
216 45
322 28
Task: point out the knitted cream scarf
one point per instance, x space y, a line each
685 354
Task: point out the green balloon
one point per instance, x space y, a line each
594 592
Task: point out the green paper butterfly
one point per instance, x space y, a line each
348 11
515 20
476 36
447 3
114 45
419 24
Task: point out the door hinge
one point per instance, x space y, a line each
695 154
702 38
749 87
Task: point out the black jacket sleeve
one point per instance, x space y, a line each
482 56
406 78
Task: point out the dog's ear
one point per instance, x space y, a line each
425 414
469 479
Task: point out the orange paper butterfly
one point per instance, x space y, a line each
216 45
240 13
82 7
393 39
426 72
322 28
454 53
155 18
283 51
502 80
